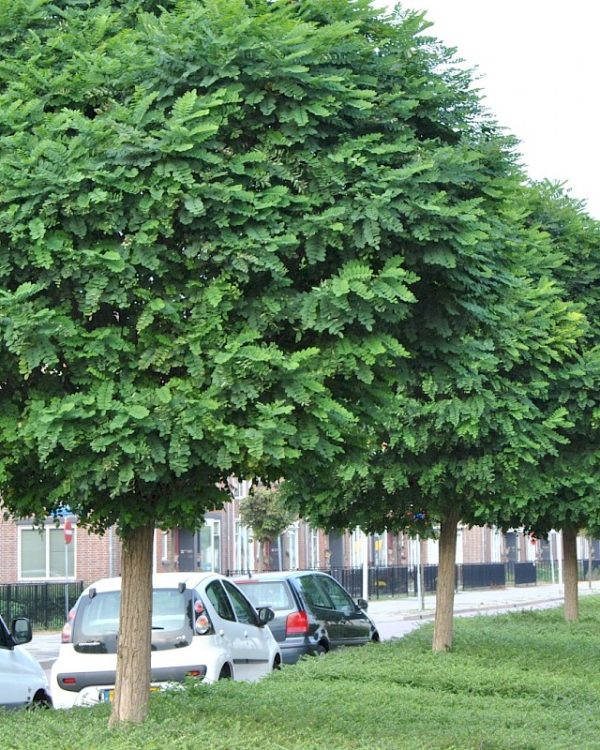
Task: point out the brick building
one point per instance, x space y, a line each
224 544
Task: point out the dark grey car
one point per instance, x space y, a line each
313 613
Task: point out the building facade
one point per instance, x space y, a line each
224 544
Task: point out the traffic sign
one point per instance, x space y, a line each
68 530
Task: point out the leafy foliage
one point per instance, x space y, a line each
204 219
264 512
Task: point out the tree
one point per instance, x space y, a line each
471 413
268 517
566 486
201 220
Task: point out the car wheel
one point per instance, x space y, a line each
375 637
40 702
276 664
225 673
321 649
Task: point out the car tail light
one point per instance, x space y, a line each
297 623
67 632
202 624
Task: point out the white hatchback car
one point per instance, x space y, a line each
202 626
22 680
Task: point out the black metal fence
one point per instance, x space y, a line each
45 604
402 580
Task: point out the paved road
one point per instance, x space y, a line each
396 617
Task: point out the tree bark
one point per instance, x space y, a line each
569 534
444 601
135 629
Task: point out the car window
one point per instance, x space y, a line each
97 621
244 611
218 598
100 615
274 594
314 595
342 601
168 609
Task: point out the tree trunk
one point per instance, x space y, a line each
590 560
444 602
135 629
570 573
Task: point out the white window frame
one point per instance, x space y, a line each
292 545
164 554
357 550
214 529
314 547
71 574
244 547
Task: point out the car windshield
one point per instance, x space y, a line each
97 621
274 594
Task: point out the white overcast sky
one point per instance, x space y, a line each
538 63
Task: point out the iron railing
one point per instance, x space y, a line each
402 580
45 604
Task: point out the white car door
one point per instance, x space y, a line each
16 673
252 644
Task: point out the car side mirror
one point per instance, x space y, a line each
21 631
362 603
265 615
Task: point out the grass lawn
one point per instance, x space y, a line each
523 681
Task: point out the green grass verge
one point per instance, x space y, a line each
526 681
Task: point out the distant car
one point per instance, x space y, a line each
313 613
202 626
22 679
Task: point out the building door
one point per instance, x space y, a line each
186 550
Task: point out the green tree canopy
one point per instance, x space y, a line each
215 218
266 513
563 491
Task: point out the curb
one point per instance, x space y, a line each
429 614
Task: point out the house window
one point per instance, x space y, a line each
165 547
357 548
44 554
314 548
380 543
209 545
239 487
292 546
243 548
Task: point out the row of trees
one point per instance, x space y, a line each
278 238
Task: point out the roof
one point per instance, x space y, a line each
159 581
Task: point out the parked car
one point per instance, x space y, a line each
313 613
22 679
202 626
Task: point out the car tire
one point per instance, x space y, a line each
225 673
321 650
40 702
375 637
276 664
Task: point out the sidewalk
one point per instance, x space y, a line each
44 646
478 601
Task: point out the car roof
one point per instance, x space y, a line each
159 581
280 575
